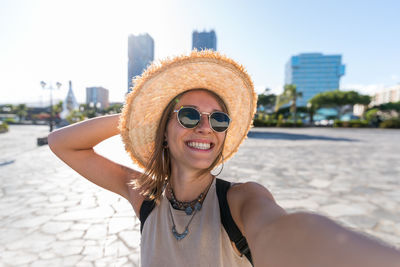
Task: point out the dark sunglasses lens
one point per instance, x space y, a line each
219 121
189 117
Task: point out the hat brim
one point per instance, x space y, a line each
160 83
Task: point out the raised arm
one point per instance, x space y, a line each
74 145
300 239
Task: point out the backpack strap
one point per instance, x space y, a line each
145 210
229 224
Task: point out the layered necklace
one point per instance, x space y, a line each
190 208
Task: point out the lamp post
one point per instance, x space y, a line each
50 87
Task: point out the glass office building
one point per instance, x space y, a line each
204 40
314 73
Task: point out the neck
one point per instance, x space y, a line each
188 185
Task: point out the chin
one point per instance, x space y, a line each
202 165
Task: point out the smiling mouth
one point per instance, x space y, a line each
201 146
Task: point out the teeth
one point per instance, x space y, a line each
197 145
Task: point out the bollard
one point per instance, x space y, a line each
41 141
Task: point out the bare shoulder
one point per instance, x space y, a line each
249 190
252 205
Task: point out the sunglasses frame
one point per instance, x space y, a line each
202 113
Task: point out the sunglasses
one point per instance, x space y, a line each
190 117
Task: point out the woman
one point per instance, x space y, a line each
185 116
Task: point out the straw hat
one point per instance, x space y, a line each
162 81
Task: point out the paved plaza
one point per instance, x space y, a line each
51 216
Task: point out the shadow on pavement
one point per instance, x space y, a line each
289 136
2 163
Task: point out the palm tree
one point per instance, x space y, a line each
291 95
21 111
280 101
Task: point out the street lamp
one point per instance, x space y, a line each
50 87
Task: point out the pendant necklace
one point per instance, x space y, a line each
187 206
180 236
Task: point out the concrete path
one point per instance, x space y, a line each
51 216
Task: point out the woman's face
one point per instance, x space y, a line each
186 146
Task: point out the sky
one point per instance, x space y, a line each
85 41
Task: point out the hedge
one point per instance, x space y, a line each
351 123
3 127
391 123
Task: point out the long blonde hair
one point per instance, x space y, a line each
158 169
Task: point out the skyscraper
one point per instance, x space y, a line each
204 40
140 55
314 73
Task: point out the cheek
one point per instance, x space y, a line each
172 134
168 134
221 139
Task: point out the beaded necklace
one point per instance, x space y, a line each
188 207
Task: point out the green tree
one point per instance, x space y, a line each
21 111
371 114
338 100
57 108
87 111
113 109
279 102
384 112
395 106
266 99
75 116
289 95
311 109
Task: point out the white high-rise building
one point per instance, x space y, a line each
97 97
390 94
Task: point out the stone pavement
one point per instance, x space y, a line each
51 216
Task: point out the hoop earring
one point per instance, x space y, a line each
163 159
222 166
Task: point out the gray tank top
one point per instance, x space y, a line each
207 243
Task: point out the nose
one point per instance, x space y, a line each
204 125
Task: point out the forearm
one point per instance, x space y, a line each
86 134
308 240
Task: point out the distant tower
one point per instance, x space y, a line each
70 102
204 40
314 73
140 55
